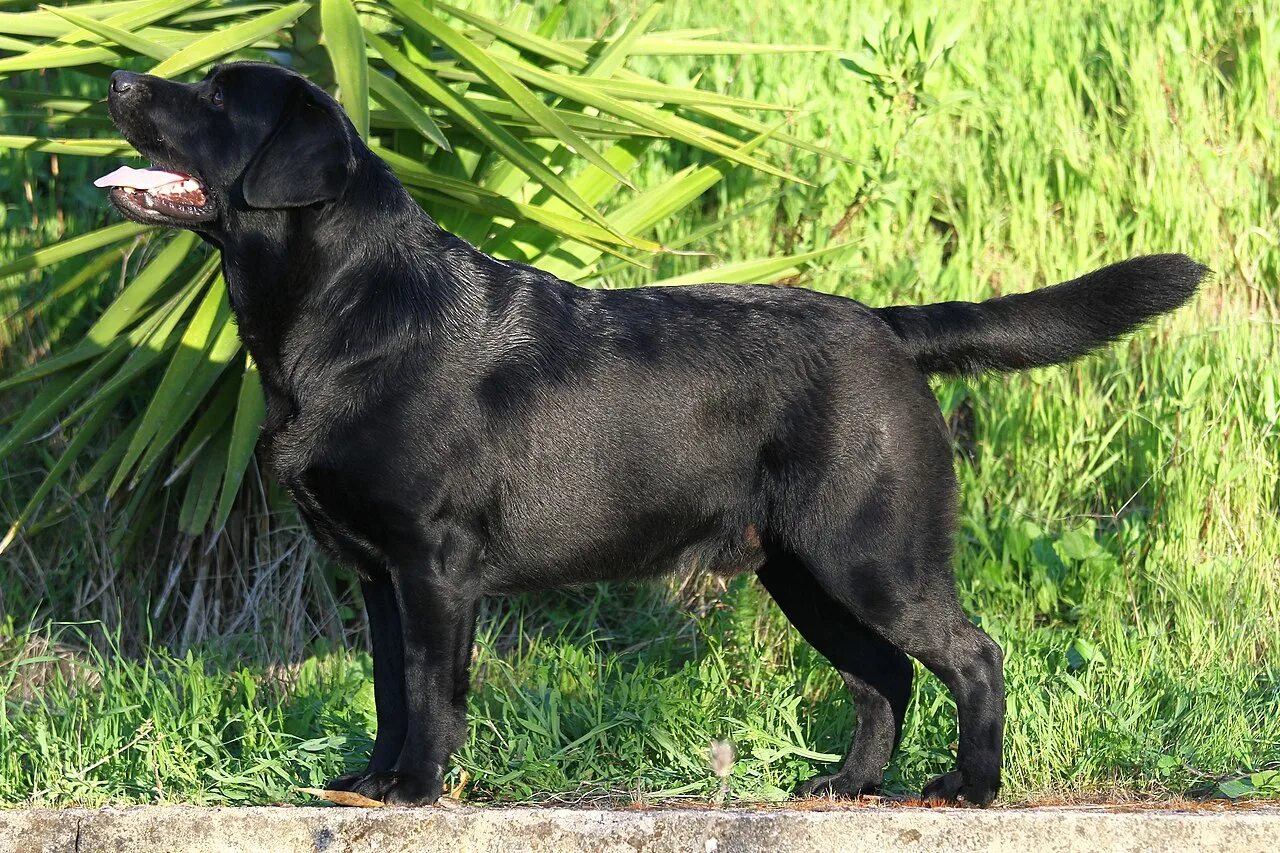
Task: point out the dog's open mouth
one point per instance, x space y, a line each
155 193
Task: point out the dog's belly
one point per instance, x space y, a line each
556 557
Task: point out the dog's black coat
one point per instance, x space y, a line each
454 425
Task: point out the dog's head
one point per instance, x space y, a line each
250 135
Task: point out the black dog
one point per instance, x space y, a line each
454 426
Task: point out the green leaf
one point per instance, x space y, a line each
648 208
1234 789
59 57
14 45
1196 384
344 41
54 397
138 510
145 285
122 311
202 486
388 92
695 237
68 456
210 318
615 53
133 19
222 42
217 412
151 339
90 272
122 37
552 21
491 71
63 56
535 43
586 124
484 127
553 251
667 44
237 9
665 123
207 369
1086 651
747 123
759 270
1079 544
77 147
479 198
83 244
103 464
45 24
1266 780
1076 687
866 65
644 90
250 413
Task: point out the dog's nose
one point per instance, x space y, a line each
124 81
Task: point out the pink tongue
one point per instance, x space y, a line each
138 179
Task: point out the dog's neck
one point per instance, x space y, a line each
394 287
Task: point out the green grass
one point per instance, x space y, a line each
1120 518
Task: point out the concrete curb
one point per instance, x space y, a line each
184 829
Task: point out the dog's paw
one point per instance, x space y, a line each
393 787
845 786
345 781
952 789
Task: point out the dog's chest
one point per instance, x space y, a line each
298 450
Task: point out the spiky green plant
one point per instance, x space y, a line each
510 137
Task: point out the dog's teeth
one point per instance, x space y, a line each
179 187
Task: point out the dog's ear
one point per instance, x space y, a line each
306 158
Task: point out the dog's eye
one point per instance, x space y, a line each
216 97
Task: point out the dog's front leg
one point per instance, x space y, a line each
388 678
439 619
437 602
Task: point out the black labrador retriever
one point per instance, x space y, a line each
453 426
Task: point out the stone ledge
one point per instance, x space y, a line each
184 829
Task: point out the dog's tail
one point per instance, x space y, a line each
1047 326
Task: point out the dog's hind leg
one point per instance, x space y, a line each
972 666
912 603
877 674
